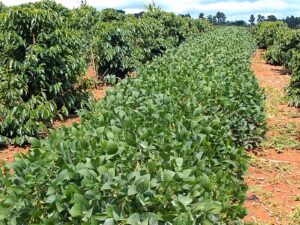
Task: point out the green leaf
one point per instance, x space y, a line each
76 210
109 221
112 148
179 162
134 219
168 175
132 190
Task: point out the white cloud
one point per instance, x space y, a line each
67 3
232 8
133 10
15 2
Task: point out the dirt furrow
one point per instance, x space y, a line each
274 173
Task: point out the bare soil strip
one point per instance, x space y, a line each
274 172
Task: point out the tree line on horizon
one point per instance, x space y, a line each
220 19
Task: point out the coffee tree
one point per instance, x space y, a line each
51 5
122 46
2 7
266 33
283 45
110 15
40 66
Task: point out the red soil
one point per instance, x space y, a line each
274 178
7 153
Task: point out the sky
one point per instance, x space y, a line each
233 9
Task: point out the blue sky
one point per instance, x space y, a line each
234 9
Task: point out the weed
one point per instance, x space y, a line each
295 218
286 138
276 97
271 165
294 115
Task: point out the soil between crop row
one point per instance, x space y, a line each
274 173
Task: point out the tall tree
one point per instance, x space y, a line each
293 22
221 18
252 20
188 15
201 16
214 20
271 18
260 18
210 18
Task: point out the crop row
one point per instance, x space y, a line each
283 48
163 148
45 49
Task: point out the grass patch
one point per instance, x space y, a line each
276 97
294 115
271 165
257 222
285 138
295 219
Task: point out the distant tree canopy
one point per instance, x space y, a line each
240 23
292 21
201 16
221 18
271 18
260 18
139 15
210 18
252 20
218 19
186 15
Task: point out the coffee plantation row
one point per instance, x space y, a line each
283 48
166 147
45 50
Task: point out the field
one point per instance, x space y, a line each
109 118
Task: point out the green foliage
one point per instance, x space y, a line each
266 32
2 7
283 49
40 65
162 148
84 18
122 46
114 49
110 79
176 28
202 25
110 15
292 21
286 41
294 65
49 5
